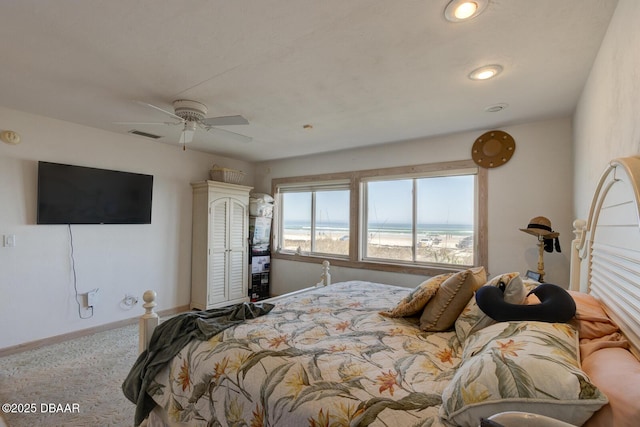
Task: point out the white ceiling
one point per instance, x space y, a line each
361 72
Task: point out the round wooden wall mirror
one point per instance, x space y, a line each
493 149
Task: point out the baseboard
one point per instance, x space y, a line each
83 332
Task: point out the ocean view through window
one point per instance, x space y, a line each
307 221
421 220
388 238
411 219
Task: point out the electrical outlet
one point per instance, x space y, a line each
92 298
129 300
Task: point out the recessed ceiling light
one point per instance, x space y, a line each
486 72
463 10
496 107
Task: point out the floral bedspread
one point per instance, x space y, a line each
322 358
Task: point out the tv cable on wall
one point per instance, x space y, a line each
75 279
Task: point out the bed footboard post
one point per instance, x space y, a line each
579 226
148 321
325 278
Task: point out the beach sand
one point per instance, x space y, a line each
384 239
438 248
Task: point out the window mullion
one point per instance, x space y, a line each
363 218
313 221
414 220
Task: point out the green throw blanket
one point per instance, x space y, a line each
171 336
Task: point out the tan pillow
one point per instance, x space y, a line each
414 302
480 276
443 309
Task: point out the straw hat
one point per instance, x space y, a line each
540 226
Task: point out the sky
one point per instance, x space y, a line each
441 200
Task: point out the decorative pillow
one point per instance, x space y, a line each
525 366
617 373
480 276
473 319
591 319
414 302
444 308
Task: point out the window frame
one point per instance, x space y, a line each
356 215
335 185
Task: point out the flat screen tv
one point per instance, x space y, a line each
80 195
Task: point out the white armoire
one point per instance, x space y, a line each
219 258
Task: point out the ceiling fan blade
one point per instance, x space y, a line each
225 121
146 123
146 104
225 134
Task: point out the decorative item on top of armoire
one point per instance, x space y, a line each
493 149
540 227
228 175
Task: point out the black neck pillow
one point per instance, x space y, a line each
556 305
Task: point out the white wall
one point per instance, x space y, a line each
536 181
37 297
607 118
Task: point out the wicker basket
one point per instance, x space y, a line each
231 176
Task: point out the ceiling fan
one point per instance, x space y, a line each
191 115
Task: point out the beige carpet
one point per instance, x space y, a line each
87 372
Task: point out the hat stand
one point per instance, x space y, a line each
541 258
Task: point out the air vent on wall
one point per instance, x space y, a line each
145 134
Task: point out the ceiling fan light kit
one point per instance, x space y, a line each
192 115
187 132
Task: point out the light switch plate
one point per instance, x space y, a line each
9 240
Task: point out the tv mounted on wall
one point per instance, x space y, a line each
70 194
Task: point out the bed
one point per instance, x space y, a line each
359 353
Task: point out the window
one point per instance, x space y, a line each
315 220
425 220
388 228
421 219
